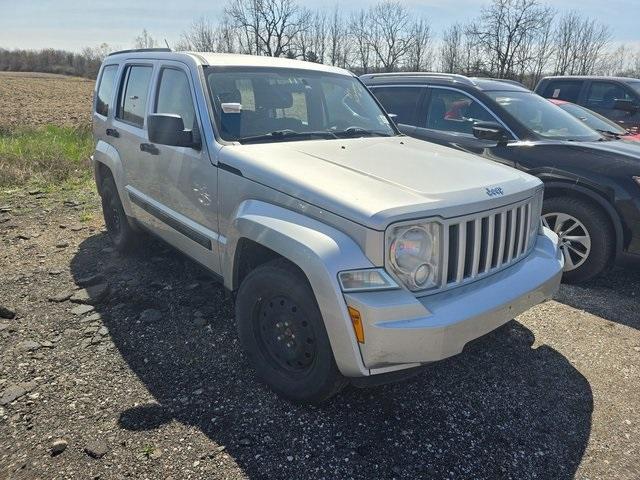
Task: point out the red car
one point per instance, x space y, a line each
596 121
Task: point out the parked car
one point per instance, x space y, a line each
353 253
592 191
616 98
596 121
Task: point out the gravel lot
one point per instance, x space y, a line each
140 375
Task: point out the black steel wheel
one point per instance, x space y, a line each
123 236
282 331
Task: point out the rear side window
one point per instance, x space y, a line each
605 94
401 101
452 111
105 89
132 105
174 96
567 90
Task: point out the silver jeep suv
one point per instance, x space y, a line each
354 254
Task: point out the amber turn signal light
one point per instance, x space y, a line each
356 320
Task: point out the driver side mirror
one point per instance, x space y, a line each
626 105
490 131
168 129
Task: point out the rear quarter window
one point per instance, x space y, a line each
567 90
105 89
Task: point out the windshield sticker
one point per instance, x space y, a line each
556 93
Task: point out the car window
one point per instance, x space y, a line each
105 89
252 101
132 105
453 111
568 90
401 101
174 96
542 117
592 119
605 94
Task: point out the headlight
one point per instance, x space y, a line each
414 255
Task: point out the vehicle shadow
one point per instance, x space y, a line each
502 409
614 296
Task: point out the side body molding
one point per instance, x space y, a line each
109 156
320 251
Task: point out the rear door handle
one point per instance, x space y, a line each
149 148
112 132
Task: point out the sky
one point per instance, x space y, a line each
73 24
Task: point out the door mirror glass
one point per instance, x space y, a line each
168 129
490 131
626 105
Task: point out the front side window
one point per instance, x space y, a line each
132 105
277 104
452 111
174 96
542 117
604 95
105 89
401 101
567 90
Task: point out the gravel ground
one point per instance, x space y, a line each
139 374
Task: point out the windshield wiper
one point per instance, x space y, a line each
609 133
360 132
287 135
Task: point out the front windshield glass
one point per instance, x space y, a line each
542 117
592 119
277 104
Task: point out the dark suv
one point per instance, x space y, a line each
592 181
616 98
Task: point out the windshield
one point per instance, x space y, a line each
278 104
593 119
542 117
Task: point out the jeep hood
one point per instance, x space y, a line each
376 181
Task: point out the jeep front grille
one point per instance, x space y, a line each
480 244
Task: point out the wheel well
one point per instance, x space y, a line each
250 255
102 172
594 199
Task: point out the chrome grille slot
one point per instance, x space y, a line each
478 245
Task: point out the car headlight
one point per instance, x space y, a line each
414 254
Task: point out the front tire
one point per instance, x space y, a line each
283 334
586 237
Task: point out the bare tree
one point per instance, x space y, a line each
338 40
360 27
503 29
451 49
269 26
579 43
391 37
419 54
144 40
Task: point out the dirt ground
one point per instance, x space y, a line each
32 99
140 375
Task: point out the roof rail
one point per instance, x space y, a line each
135 50
447 76
503 80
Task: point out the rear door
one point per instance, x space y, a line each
601 97
176 187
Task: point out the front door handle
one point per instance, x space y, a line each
150 148
112 132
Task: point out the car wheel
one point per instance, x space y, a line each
123 236
283 334
585 234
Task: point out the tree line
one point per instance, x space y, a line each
515 39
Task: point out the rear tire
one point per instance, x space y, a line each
586 237
122 234
283 334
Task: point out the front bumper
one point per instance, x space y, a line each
403 331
